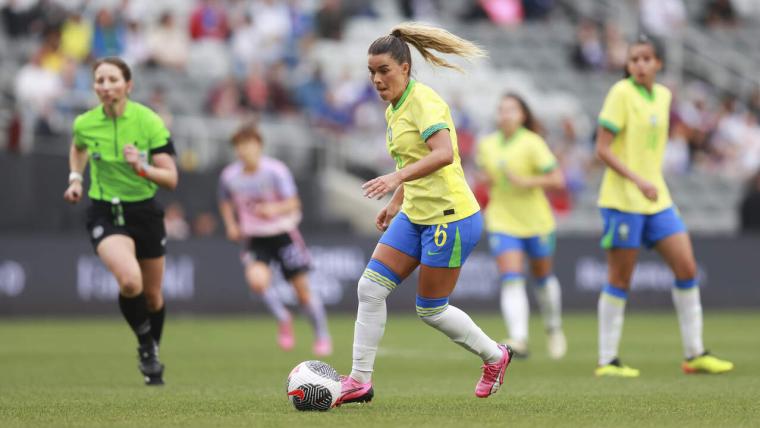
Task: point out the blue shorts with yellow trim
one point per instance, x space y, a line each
437 245
536 247
631 230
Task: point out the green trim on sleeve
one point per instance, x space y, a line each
433 129
606 124
549 168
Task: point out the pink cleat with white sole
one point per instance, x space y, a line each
493 374
352 391
285 337
322 347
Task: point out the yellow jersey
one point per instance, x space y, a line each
519 212
444 195
639 119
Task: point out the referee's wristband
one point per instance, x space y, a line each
75 176
143 169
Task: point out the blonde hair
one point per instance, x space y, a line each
425 38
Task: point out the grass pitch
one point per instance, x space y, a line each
228 372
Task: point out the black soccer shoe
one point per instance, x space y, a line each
149 365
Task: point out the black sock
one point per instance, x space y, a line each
157 323
135 311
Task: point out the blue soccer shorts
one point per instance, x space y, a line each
631 230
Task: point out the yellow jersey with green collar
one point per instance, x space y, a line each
512 210
444 195
639 119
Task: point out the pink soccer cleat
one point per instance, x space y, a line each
285 337
493 374
322 347
352 391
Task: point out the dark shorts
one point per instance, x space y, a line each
287 249
143 222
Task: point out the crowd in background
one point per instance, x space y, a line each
272 70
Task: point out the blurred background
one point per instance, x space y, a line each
299 68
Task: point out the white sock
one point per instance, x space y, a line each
315 312
275 305
514 306
375 285
549 296
611 310
686 298
459 327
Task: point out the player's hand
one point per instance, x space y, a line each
517 180
647 189
74 192
378 187
233 233
132 156
384 217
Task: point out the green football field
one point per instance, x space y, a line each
228 372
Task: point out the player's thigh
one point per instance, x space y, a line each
258 275
678 253
400 263
510 261
153 274
620 265
437 282
118 254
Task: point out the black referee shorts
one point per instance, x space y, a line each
286 249
143 222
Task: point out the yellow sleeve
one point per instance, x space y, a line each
544 160
429 115
612 116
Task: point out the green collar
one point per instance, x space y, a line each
404 95
515 135
128 107
649 96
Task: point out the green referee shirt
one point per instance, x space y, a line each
105 137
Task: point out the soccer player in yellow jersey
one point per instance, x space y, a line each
432 220
637 209
518 165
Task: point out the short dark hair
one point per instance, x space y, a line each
644 39
247 132
118 62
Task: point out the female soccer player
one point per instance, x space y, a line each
637 209
432 220
259 204
131 154
518 165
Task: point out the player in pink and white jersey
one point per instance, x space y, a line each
259 204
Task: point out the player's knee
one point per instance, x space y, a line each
258 286
369 291
687 270
154 300
430 309
129 284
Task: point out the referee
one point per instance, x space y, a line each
131 153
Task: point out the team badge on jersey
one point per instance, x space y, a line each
97 232
623 231
390 134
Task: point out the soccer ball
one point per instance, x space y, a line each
313 385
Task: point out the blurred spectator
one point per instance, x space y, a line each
330 20
749 209
280 98
158 103
503 12
168 44
209 20
174 221
272 18
575 160
36 90
256 88
537 9
204 225
136 51
677 158
428 9
225 99
76 37
754 100
51 58
719 13
245 43
616 47
663 18
21 17
109 34
588 52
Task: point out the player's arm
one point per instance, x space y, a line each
384 217
441 154
77 162
227 211
278 208
161 170
604 138
552 180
